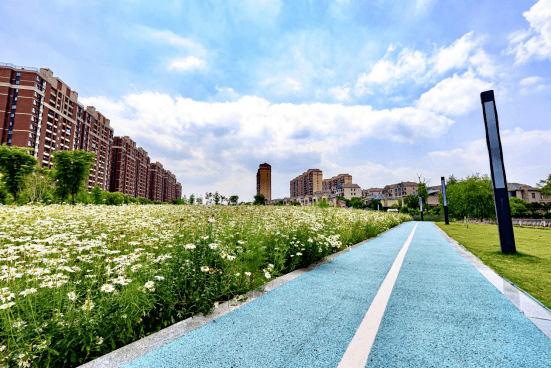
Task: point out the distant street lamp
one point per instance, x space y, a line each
445 200
421 206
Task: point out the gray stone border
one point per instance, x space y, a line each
134 350
536 312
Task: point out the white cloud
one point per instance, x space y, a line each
456 95
340 93
188 63
456 55
208 138
530 81
168 37
526 156
293 84
410 64
536 41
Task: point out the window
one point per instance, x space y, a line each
17 74
13 107
30 135
32 118
32 126
30 143
16 82
533 195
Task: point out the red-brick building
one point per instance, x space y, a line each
41 112
156 181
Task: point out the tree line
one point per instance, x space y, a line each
23 181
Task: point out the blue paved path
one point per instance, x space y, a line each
441 313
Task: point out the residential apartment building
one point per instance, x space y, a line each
169 186
178 190
399 190
142 174
331 184
156 179
527 193
124 166
41 112
348 191
264 181
308 183
371 192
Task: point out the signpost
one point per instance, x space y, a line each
499 181
421 206
445 200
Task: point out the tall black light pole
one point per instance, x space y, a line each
499 181
445 200
421 206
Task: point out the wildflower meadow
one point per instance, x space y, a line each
80 281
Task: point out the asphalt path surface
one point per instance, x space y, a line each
436 311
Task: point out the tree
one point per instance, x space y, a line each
192 199
259 199
294 203
279 203
472 197
199 200
234 199
411 201
357 203
423 193
544 186
519 207
71 170
322 203
375 204
216 198
15 165
97 197
38 183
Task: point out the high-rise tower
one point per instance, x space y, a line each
264 181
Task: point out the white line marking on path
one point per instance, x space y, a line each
357 353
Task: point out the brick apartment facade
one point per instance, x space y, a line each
156 178
331 184
308 183
169 186
41 112
264 181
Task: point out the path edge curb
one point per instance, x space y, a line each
537 313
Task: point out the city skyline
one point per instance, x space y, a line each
382 91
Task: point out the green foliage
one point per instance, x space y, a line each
259 200
375 204
279 203
356 203
114 198
472 197
294 203
234 199
519 207
97 197
422 192
71 170
322 203
192 199
411 201
15 165
544 186
38 185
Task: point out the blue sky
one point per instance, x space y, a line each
382 90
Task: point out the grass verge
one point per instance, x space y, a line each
529 268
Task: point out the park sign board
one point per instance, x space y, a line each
497 168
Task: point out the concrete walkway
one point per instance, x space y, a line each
409 298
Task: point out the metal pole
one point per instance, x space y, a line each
421 206
445 200
499 180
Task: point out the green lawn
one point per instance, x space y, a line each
529 268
